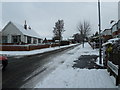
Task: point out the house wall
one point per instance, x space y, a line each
119 10
25 39
107 37
32 40
10 30
22 38
37 41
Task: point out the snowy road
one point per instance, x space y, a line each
56 71
21 71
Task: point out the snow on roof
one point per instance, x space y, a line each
28 32
107 32
104 44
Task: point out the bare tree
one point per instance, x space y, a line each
84 28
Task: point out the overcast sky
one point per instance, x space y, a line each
41 16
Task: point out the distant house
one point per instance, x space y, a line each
16 33
107 34
48 41
116 30
118 25
77 37
71 40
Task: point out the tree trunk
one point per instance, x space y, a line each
83 43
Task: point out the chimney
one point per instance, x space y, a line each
29 27
25 25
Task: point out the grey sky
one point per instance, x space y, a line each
41 16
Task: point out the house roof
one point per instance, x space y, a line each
28 32
107 32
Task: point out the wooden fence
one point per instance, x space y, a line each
113 63
94 45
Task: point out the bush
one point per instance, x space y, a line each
62 43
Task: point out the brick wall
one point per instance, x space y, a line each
24 47
107 37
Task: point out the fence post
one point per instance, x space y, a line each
118 77
118 81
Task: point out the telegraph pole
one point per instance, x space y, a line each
100 41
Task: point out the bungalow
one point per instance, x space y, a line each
14 33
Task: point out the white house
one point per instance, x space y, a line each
16 33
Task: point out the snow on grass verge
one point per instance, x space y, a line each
15 53
64 76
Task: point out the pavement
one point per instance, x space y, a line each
87 61
79 70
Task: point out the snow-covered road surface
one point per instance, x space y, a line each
23 71
65 76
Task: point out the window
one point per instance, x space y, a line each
28 39
16 39
4 39
39 40
34 40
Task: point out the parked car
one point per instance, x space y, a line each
3 62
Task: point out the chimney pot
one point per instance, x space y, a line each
25 25
29 27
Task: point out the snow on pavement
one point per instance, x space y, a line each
64 76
